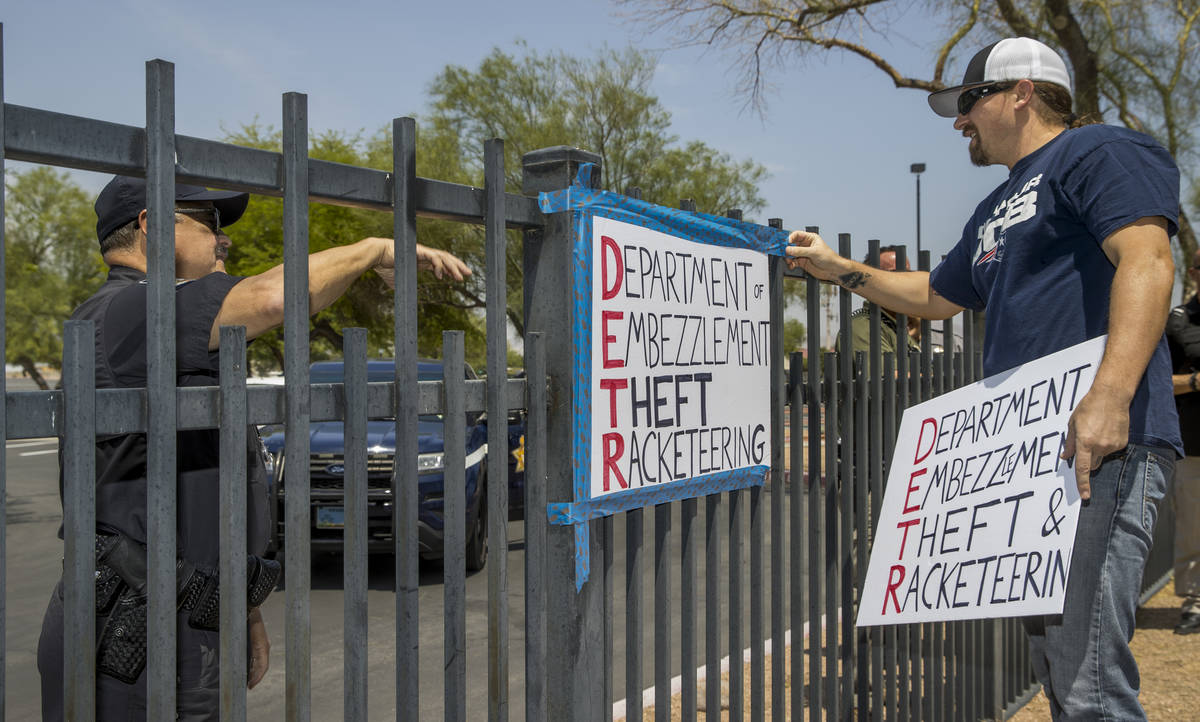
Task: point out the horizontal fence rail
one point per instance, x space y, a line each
37 414
42 136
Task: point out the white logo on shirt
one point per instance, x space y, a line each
1021 206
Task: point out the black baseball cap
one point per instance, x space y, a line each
124 198
1005 60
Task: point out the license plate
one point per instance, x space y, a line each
330 517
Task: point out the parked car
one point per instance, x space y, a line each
327 470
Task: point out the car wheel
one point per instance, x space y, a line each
477 535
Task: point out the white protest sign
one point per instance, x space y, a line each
680 359
978 517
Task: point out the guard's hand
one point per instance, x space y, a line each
1098 427
442 263
260 648
810 253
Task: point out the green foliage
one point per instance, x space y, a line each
52 263
793 335
516 359
602 104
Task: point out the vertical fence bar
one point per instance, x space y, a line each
454 560
862 512
941 632
903 633
757 617
535 529
233 535
297 552
3 411
816 498
712 604
496 501
875 473
404 406
737 672
757 527
690 523
160 381
354 607
609 572
930 632
778 480
798 562
662 612
711 540
690 526
893 660
608 526
79 520
845 496
948 672
737 537
974 697
634 593
832 557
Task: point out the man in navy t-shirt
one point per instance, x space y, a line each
1073 245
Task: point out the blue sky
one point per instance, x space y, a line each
837 137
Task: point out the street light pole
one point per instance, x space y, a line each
917 169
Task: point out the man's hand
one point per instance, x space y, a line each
442 263
812 254
260 648
1098 427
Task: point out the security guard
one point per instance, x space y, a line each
1183 337
206 299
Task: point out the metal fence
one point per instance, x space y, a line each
765 576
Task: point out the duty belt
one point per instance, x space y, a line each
121 598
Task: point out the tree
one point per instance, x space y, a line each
52 263
533 101
602 104
793 335
1132 61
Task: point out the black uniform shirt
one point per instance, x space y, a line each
118 309
1183 338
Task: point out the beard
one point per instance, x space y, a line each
978 155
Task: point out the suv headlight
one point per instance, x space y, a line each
431 462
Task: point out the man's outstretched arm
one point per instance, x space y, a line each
256 302
908 292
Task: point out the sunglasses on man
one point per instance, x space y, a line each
968 98
210 217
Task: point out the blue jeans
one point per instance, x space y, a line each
1082 656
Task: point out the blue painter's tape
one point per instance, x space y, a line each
583 562
582 355
582 511
701 227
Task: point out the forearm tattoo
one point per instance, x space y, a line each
851 281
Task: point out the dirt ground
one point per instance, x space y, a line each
1169 663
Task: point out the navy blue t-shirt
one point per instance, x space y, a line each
1031 254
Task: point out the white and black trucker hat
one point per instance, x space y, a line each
1008 59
